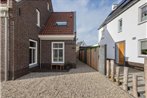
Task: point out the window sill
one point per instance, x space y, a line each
57 63
33 65
142 56
142 22
120 32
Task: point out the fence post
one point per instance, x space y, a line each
125 79
112 69
135 94
145 75
117 75
108 68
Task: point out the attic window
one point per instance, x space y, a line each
63 23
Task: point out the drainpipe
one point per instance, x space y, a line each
40 54
6 47
145 75
4 14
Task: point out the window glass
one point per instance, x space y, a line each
33 53
120 25
38 17
32 44
55 45
61 23
144 13
60 45
144 47
58 54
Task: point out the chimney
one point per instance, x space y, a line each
114 6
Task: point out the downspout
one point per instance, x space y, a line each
40 54
6 47
0 53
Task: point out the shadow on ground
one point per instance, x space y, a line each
81 68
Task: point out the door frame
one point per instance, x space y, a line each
124 52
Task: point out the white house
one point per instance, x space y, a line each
124 33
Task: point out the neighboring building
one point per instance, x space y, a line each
123 30
33 35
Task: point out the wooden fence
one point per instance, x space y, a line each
89 55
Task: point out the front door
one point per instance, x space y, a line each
120 53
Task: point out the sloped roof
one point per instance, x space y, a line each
123 6
52 28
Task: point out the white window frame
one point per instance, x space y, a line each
38 17
61 23
48 6
36 55
120 30
140 13
58 48
139 48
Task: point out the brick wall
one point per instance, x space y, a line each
23 19
70 52
2 47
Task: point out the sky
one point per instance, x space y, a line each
89 16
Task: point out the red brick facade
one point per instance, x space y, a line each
46 54
22 28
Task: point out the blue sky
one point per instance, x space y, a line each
90 14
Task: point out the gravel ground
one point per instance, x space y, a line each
82 82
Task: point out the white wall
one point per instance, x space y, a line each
131 28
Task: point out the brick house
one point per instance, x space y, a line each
32 34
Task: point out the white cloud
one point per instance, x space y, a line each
89 17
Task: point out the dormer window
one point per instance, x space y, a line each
61 23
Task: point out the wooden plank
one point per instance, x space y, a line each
118 75
108 68
112 69
135 94
125 79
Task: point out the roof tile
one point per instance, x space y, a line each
52 29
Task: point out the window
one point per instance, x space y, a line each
32 52
61 23
38 17
48 6
3 1
57 52
120 25
19 11
143 47
144 13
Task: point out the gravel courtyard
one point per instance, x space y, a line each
82 82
